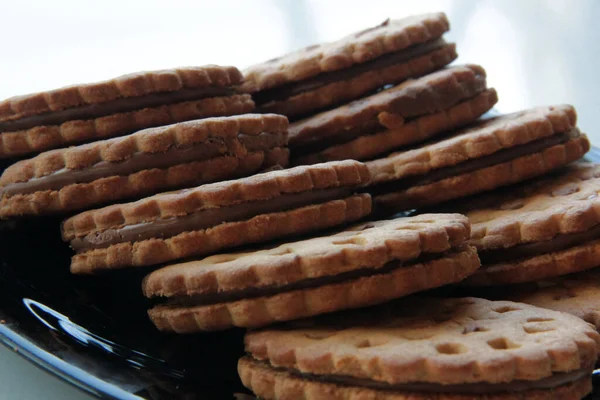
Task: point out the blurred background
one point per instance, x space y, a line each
535 52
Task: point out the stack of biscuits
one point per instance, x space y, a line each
311 197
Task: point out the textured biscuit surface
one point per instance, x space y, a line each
271 384
576 294
341 91
404 133
388 108
46 137
208 241
445 341
226 135
389 37
258 187
451 267
369 245
481 180
147 141
479 140
132 85
143 183
573 259
564 203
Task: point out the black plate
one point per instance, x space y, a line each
94 332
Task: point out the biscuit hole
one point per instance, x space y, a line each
450 348
224 259
360 228
565 190
474 329
363 344
410 228
537 329
318 335
353 240
282 252
512 205
422 221
505 309
502 344
539 319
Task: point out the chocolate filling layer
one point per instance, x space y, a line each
319 144
168 227
291 89
252 292
555 380
557 243
140 161
121 105
466 167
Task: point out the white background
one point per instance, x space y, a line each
536 52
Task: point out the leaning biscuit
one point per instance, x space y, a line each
425 348
82 113
146 162
411 112
539 230
212 217
364 265
320 76
486 155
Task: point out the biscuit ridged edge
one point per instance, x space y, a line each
258 187
563 204
142 183
346 90
43 138
354 293
370 245
271 384
435 340
550 265
356 48
478 141
202 242
432 93
131 85
418 130
517 170
147 141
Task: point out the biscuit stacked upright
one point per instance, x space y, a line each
322 76
341 99
193 135
82 113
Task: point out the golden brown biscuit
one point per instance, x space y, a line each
148 161
486 155
425 348
411 112
80 113
212 217
364 265
320 76
577 294
538 230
